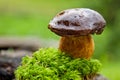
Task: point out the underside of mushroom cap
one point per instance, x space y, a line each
77 22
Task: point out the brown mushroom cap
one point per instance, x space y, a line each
77 22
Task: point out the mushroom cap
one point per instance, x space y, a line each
77 22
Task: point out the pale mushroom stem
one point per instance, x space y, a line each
77 47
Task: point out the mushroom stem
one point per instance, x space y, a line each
77 47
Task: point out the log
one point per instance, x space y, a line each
26 43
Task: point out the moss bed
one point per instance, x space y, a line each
52 64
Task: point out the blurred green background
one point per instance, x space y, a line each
31 18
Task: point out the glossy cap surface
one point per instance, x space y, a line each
77 22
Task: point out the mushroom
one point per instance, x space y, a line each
75 27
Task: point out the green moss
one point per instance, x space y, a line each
51 64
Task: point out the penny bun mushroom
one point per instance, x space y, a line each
75 27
